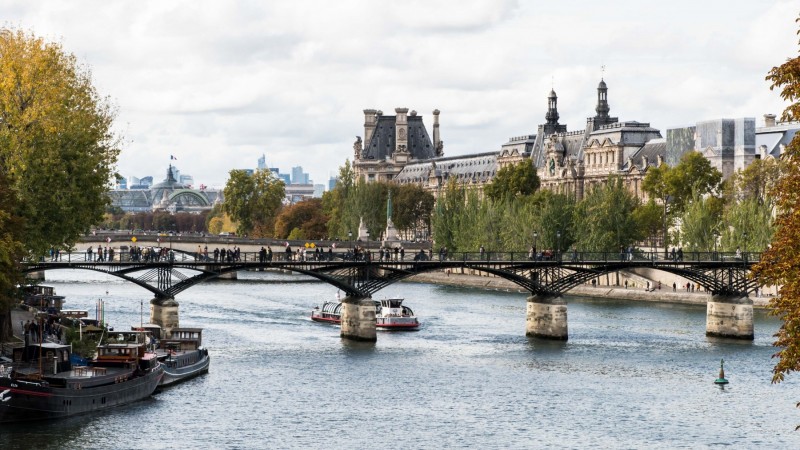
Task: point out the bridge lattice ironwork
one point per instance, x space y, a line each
361 275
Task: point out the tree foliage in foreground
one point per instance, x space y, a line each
57 154
57 148
780 264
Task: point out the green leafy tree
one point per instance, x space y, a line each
749 225
656 185
649 220
604 219
57 148
551 213
692 176
336 204
447 216
780 265
253 201
700 222
412 209
513 180
11 252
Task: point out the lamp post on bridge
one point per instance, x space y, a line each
350 240
366 247
745 245
558 249
716 238
535 236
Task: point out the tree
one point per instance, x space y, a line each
306 216
780 264
253 201
11 252
57 154
412 208
513 180
692 176
700 222
57 148
656 184
649 220
604 219
749 225
335 204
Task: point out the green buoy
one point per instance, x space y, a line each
721 380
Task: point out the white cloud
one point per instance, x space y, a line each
219 83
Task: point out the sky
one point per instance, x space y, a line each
216 84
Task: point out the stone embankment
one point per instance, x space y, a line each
492 283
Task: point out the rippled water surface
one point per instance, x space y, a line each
631 376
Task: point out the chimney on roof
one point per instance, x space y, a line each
769 120
437 141
370 122
401 130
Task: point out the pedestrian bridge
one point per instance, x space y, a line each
166 273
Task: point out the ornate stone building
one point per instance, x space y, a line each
573 161
398 149
169 195
392 142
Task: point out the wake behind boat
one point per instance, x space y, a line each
42 382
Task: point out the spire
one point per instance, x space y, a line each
170 176
602 102
552 109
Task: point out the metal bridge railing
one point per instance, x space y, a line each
573 256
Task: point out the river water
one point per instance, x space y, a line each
632 375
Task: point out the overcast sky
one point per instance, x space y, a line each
219 83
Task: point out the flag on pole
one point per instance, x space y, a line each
171 157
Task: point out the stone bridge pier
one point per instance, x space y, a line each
546 317
730 316
358 319
164 313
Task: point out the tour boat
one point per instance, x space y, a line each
181 353
390 314
42 383
330 312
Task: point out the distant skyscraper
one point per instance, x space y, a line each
262 162
146 181
319 189
187 180
332 183
299 177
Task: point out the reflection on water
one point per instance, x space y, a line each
632 375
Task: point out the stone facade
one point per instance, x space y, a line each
392 142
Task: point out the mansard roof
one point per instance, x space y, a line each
383 141
480 167
650 151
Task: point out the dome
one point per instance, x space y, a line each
602 84
552 94
168 185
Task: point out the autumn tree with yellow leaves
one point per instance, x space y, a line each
780 264
57 152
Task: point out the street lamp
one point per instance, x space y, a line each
535 235
558 237
367 244
716 238
745 244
